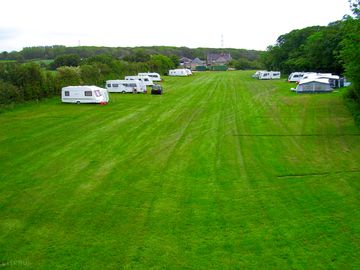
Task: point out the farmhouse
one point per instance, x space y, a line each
195 63
185 62
218 58
191 64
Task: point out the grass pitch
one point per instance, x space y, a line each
221 172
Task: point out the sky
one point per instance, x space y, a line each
243 24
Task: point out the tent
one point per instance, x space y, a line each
313 86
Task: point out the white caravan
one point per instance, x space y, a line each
275 75
334 80
147 80
264 75
257 73
84 94
124 86
137 78
188 71
178 72
155 77
295 76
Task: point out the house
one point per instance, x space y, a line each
185 62
218 58
196 62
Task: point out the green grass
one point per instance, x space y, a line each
221 172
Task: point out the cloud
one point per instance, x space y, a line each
8 33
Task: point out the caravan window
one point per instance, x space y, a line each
67 93
88 93
109 85
97 93
115 85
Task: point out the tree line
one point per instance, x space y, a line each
334 48
21 82
137 54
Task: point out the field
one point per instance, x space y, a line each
221 172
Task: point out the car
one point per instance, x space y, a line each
156 89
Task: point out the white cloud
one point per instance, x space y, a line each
193 23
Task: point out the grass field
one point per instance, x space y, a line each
221 172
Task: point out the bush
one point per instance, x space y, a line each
68 60
67 76
90 74
353 103
9 93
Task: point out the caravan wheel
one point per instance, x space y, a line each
123 92
78 102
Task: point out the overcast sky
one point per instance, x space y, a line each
248 24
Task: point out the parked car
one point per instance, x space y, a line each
156 89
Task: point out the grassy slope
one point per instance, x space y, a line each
222 171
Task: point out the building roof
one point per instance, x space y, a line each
185 60
218 57
197 61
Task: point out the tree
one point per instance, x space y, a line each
9 93
355 7
321 49
175 59
90 74
68 60
31 80
161 64
350 52
138 55
68 76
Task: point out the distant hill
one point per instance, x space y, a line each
51 52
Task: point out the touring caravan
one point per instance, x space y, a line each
155 77
265 75
124 86
275 75
314 75
257 74
295 76
84 94
137 78
313 86
334 80
146 79
178 72
188 71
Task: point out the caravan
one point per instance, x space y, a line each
257 74
146 79
295 76
84 94
188 71
137 78
275 75
124 86
178 72
334 80
155 77
264 75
